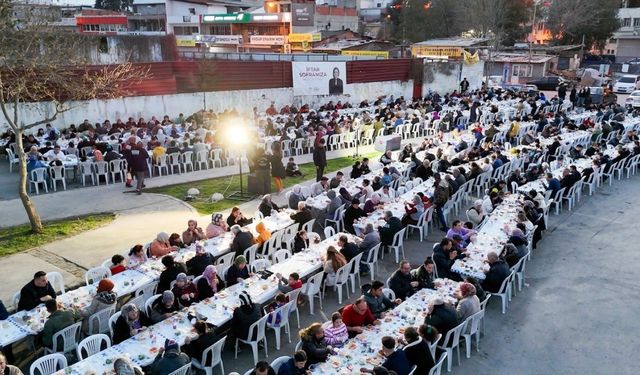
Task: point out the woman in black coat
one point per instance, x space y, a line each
314 345
244 316
442 317
278 171
417 351
131 322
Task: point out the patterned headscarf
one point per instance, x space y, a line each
215 218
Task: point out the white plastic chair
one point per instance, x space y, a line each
57 174
372 260
149 303
342 279
100 320
473 328
335 220
452 342
505 292
434 345
226 259
389 293
174 160
215 353
312 289
260 264
329 232
48 365
15 300
112 322
92 345
147 290
160 164
69 336
13 159
186 161
420 226
293 296
278 362
37 177
86 170
281 255
355 272
398 244
118 168
308 226
184 370
256 330
96 274
101 168
202 158
284 322
250 253
437 369
57 281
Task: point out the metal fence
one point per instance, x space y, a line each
189 55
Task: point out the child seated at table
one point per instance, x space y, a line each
335 333
117 264
293 169
275 318
293 283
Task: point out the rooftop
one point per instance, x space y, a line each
520 58
453 42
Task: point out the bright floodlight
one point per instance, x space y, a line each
237 134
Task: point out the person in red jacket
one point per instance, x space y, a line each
358 315
293 283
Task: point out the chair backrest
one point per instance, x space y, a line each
100 320
57 281
355 264
435 370
455 332
434 345
308 226
250 253
184 370
101 167
138 301
37 175
389 293
49 364
483 304
92 345
342 274
281 255
398 238
57 172
313 284
214 352
260 264
226 259
15 300
258 328
69 337
275 365
96 274
112 322
372 257
258 215
293 296
329 232
473 322
147 290
148 303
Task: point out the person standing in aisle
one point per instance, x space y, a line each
320 158
137 158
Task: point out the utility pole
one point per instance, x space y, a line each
533 35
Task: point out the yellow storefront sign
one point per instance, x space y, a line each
306 37
384 54
185 42
424 51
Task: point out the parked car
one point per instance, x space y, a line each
633 101
547 83
600 96
628 83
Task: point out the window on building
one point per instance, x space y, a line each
636 22
103 46
626 22
285 8
185 30
219 30
522 70
192 10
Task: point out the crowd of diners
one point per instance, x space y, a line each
320 339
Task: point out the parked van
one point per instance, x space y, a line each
628 83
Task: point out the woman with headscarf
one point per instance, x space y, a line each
244 316
217 227
160 246
475 214
295 196
131 322
263 234
164 307
185 292
193 233
468 302
123 366
413 211
267 206
345 196
372 203
209 283
105 297
238 271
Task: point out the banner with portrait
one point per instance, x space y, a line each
319 78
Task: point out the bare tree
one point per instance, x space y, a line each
38 64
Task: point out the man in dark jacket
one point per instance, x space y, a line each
424 274
498 271
444 257
376 300
295 365
169 359
171 271
196 347
303 215
137 157
442 317
351 214
37 291
387 231
401 282
320 158
349 249
242 240
199 262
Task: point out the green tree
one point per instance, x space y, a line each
572 20
502 20
117 5
38 64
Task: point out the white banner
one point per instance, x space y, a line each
270 40
220 39
319 78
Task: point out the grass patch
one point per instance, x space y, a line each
19 238
229 184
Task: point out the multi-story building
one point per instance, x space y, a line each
625 43
100 21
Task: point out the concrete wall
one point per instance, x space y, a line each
172 105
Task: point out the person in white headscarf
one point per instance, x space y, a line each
295 196
476 214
